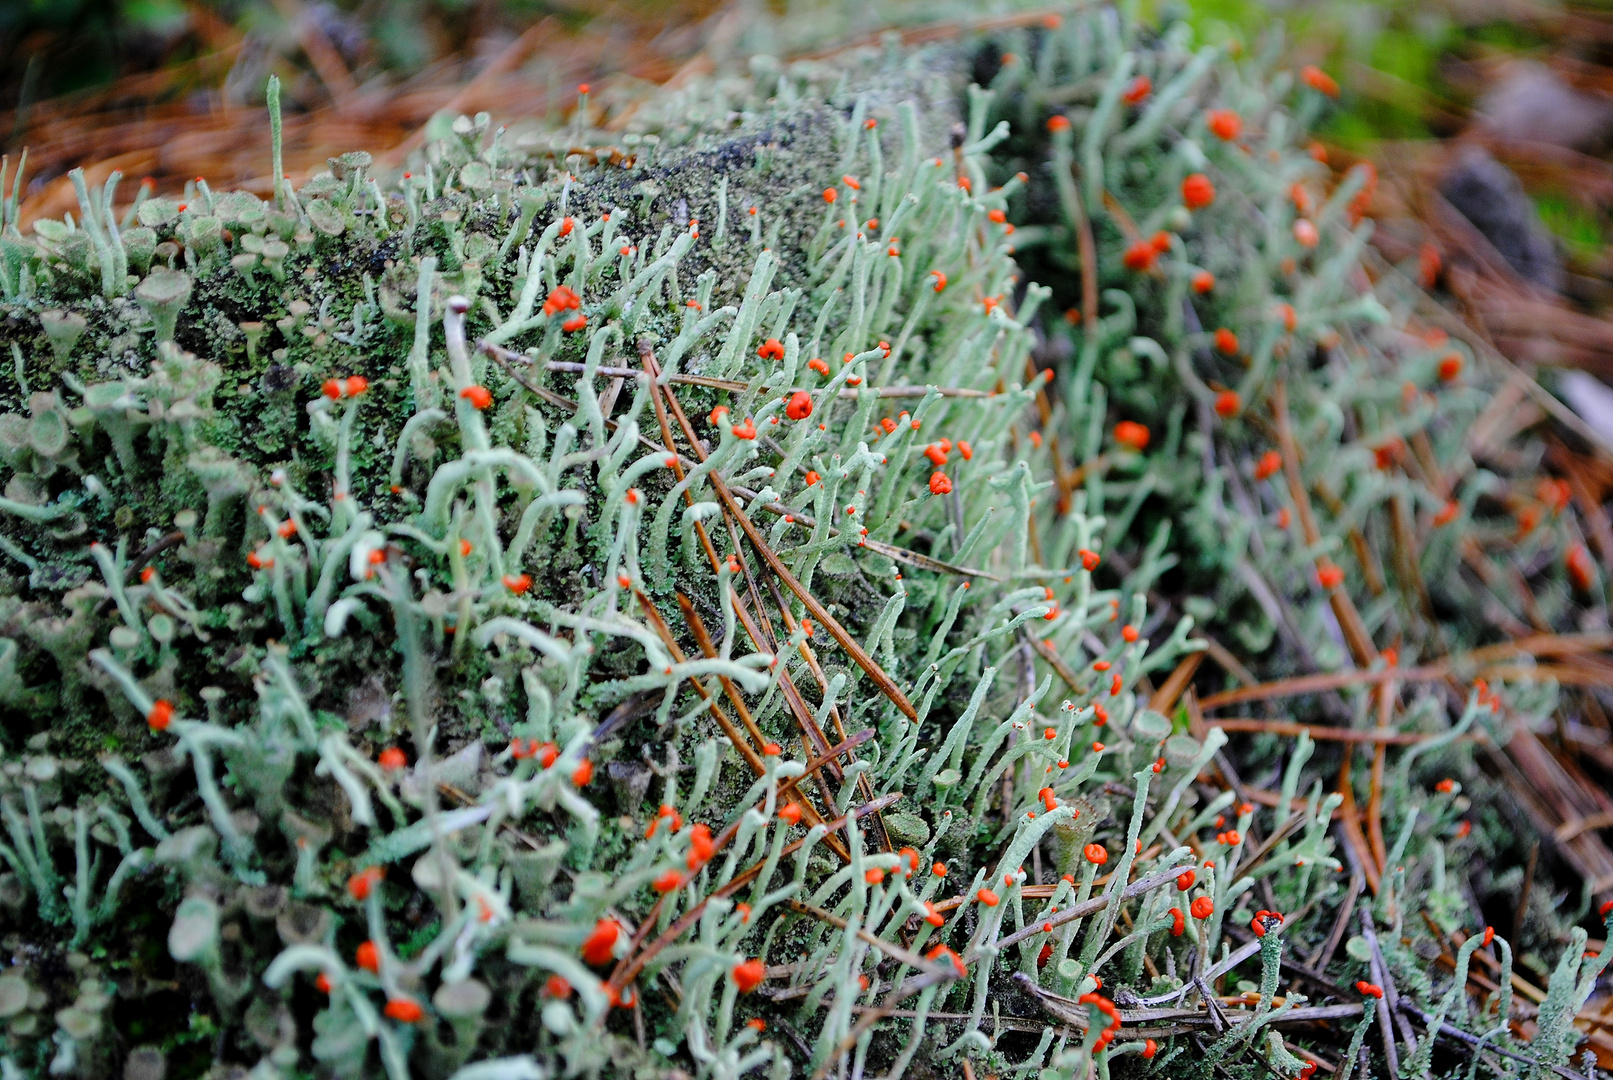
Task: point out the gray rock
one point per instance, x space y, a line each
1591 398
1532 103
1491 197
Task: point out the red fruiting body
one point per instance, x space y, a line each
368 957
996 216
1132 435
817 364
939 869
701 847
811 477
1319 80
1058 123
1160 242
1330 576
1185 880
392 758
1203 282
1150 1048
790 814
563 298
1224 124
1096 854
1581 570
1226 341
1202 907
405 1010
772 349
1228 404
749 975
1264 921
937 456
667 882
1140 256
830 194
1138 89
800 405
601 943
966 450
575 323
1044 955
1386 455
1450 368
362 883
161 715
1178 922
322 983
1197 191
517 583
1305 233
1445 786
1271 462
583 773
987 897
1369 989
479 396
1489 936
940 483
556 987
1089 559
1301 199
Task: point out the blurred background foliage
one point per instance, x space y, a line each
1410 70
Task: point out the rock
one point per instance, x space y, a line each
1532 103
1491 197
1591 398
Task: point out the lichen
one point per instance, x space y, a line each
611 604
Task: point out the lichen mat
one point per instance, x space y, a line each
676 602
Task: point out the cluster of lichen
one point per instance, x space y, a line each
444 635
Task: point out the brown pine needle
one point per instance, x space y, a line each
815 608
1322 733
628 969
1355 631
